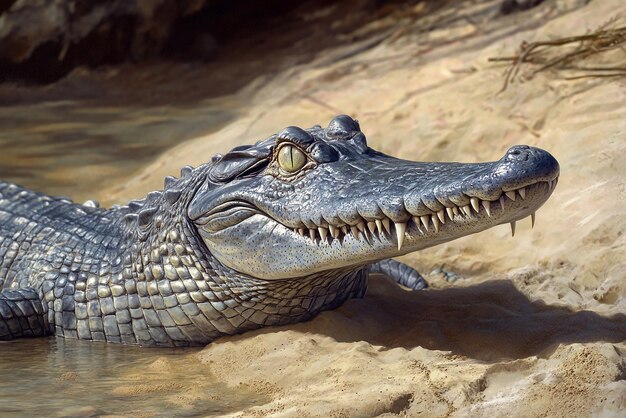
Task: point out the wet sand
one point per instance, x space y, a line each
537 324
57 377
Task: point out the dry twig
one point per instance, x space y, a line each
563 54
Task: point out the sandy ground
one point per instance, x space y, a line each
536 327
537 324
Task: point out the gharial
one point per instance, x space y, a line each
267 234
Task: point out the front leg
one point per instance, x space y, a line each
401 273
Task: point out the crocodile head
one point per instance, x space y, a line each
306 201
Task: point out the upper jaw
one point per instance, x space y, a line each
395 195
441 225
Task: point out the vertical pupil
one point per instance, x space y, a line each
291 157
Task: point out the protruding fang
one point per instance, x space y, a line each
425 219
400 229
435 222
455 210
450 213
301 231
387 225
371 225
513 228
361 226
522 192
334 231
355 232
511 195
379 226
312 234
344 229
532 220
474 202
323 232
502 202
442 216
467 210
487 206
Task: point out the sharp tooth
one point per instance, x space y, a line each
532 220
323 232
416 221
344 229
312 234
425 219
400 229
511 195
371 226
455 210
442 216
467 210
379 226
522 192
334 231
474 202
435 222
450 212
387 225
487 206
502 202
301 231
361 226
513 228
355 231
367 237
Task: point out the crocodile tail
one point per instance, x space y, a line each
22 314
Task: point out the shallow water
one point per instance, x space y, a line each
75 140
89 132
58 377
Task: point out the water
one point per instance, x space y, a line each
58 377
76 148
73 139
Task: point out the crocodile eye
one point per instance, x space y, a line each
291 159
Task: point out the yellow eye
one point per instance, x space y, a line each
291 159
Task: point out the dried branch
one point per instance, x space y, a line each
563 54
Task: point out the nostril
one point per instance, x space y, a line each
518 153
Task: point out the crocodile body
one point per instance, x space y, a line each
267 234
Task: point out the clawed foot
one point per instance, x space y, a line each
409 277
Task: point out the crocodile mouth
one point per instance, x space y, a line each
431 224
252 240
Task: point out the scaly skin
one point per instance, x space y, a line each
242 242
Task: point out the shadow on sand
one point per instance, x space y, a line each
488 321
